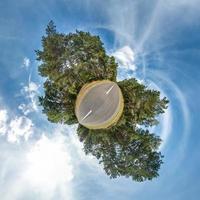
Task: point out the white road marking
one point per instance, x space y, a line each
108 91
87 115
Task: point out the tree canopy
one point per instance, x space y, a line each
125 149
69 61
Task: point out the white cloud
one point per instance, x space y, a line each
15 129
41 170
32 87
49 163
125 57
20 127
26 63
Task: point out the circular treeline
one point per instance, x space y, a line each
75 60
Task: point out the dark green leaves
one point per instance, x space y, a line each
125 149
142 105
68 62
71 60
51 28
126 152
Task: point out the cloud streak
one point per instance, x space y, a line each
30 92
26 63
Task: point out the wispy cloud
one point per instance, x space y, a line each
3 121
30 92
26 63
184 109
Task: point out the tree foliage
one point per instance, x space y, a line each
141 105
126 149
68 62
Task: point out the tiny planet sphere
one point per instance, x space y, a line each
99 104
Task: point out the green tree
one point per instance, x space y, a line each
141 105
68 61
124 151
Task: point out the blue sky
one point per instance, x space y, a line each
157 42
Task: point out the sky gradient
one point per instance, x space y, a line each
158 42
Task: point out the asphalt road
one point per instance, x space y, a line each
99 104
